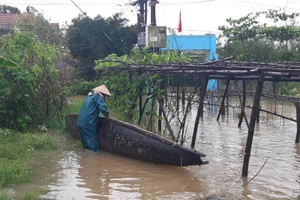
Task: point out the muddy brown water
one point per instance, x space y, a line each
87 175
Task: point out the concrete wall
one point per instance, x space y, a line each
196 43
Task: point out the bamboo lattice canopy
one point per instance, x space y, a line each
222 69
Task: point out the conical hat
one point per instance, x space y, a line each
102 89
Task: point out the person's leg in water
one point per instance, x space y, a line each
89 139
82 138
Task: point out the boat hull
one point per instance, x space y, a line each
128 140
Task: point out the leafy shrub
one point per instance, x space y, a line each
14 171
30 93
83 87
74 106
4 196
15 151
5 132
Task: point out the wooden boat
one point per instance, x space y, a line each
128 140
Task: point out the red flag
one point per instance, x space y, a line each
180 24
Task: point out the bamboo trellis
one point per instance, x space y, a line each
228 69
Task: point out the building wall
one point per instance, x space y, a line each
196 43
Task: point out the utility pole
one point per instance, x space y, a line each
141 18
153 12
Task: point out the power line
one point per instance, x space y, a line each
258 5
99 44
192 2
100 29
79 8
195 30
287 3
297 1
62 4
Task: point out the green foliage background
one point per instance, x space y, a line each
250 40
126 87
91 39
30 93
16 150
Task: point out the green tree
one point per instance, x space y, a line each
251 40
9 9
30 93
91 39
48 33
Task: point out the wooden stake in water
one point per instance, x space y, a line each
200 110
251 126
298 122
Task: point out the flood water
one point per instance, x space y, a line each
88 175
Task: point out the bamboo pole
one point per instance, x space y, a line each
200 110
251 127
166 119
258 115
298 122
151 115
145 103
183 98
140 102
227 105
143 109
223 100
161 104
202 96
177 93
243 104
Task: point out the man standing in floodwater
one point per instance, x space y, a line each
93 105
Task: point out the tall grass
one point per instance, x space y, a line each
28 196
74 104
4 196
15 152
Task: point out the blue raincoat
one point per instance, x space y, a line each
93 105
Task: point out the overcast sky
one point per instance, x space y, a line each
198 16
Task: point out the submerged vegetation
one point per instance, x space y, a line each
16 150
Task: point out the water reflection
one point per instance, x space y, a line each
88 175
108 176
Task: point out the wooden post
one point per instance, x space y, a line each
140 101
183 97
298 122
223 100
166 119
161 104
166 81
258 112
202 96
200 110
227 105
177 93
243 104
140 105
144 106
223 110
251 126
